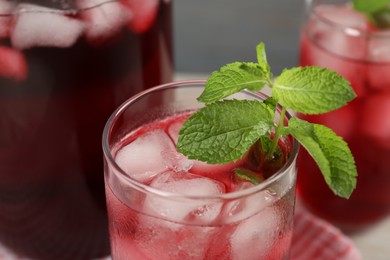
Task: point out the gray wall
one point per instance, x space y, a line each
209 34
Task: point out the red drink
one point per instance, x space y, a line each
339 38
162 205
62 73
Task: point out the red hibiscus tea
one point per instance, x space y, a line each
339 38
64 67
162 205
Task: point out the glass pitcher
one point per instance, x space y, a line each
64 67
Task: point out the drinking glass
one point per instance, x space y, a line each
64 67
158 210
338 38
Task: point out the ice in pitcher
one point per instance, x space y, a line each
180 221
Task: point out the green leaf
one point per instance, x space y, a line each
312 90
369 6
248 175
233 78
382 18
262 59
223 131
377 11
271 102
330 152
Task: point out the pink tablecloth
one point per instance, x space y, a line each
315 238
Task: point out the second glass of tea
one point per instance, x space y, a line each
339 38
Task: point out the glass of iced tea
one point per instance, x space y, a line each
64 68
337 37
161 205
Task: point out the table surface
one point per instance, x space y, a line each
373 243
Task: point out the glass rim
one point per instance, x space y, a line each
348 30
124 177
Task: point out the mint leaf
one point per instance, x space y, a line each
262 59
223 131
382 18
377 11
271 102
311 90
248 175
233 78
369 6
330 152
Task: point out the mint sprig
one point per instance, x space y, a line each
224 130
377 11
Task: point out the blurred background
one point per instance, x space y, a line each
209 34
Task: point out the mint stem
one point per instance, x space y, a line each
277 134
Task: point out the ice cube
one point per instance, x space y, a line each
165 230
144 14
6 7
143 158
253 237
37 26
105 20
344 42
375 119
7 254
125 248
12 64
343 16
186 184
161 239
218 246
123 225
243 208
173 131
176 161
